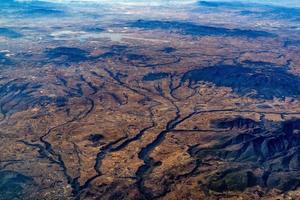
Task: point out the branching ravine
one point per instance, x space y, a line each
124 141
46 150
150 163
109 148
99 157
144 154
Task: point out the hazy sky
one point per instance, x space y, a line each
288 3
276 2
137 2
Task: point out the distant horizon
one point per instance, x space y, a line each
290 3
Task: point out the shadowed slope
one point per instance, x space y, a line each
266 82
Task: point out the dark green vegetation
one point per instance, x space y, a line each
67 55
12 184
95 137
267 82
188 28
155 76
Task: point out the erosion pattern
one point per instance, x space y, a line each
138 109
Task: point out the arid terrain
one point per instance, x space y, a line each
193 101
